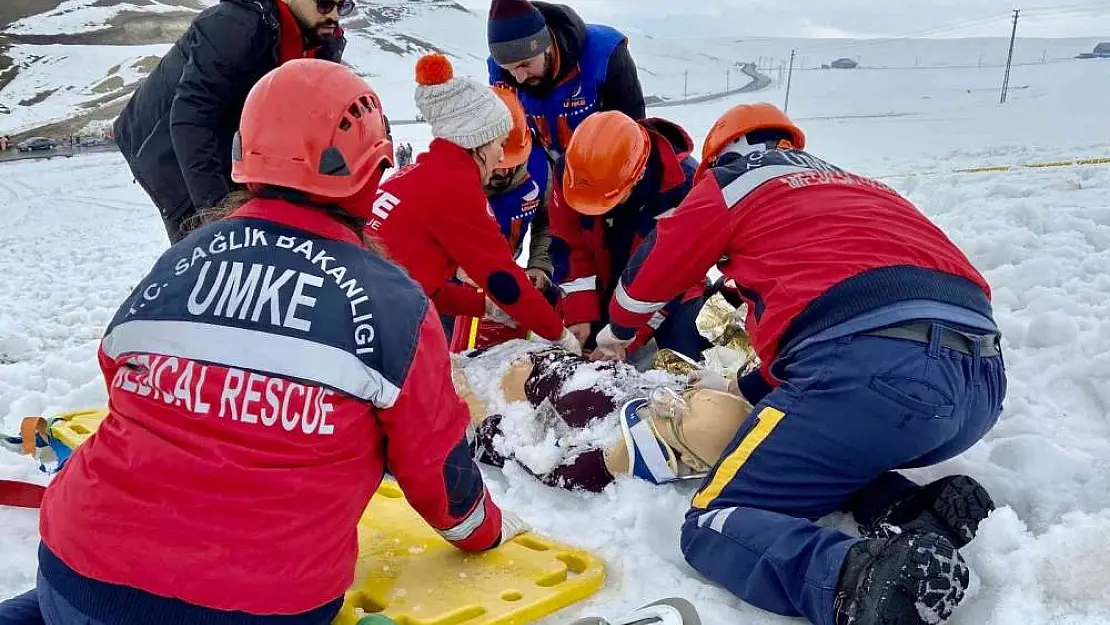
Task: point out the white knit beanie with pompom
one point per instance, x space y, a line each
459 109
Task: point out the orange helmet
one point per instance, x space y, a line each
739 121
606 157
519 144
313 126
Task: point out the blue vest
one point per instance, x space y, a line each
515 209
556 116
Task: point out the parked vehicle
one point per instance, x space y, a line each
36 143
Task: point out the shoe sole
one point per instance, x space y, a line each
961 505
940 577
934 579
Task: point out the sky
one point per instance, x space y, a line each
847 18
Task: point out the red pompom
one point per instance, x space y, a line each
433 69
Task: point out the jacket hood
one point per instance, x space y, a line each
675 136
569 31
450 158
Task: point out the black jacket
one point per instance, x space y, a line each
176 131
621 90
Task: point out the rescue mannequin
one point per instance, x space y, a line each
643 429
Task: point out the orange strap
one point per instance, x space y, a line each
28 429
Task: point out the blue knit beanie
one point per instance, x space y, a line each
516 31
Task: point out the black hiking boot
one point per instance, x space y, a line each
952 506
915 578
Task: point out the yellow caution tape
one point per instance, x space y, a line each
986 168
1098 160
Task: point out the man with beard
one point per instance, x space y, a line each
563 68
176 132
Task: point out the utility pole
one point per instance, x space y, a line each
1009 58
980 60
728 75
789 78
685 85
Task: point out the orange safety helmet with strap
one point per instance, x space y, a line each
518 147
739 121
316 127
606 157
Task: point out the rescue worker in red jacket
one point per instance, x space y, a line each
519 193
433 216
260 378
619 176
879 352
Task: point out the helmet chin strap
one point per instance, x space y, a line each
743 146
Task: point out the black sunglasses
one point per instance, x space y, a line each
345 7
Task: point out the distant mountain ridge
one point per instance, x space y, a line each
66 64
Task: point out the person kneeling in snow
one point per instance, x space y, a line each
619 177
260 378
878 352
433 218
601 419
519 193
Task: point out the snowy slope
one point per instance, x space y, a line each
82 16
1042 238
72 79
387 36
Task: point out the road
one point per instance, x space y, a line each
758 82
66 151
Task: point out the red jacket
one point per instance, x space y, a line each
433 217
585 251
808 245
259 379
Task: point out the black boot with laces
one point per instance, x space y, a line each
913 578
952 506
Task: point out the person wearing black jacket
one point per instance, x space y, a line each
562 68
176 131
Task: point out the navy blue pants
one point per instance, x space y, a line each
679 330
21 610
51 608
849 412
56 610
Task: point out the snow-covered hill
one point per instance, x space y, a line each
79 60
1041 237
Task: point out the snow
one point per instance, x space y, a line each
83 16
63 78
680 65
674 67
76 234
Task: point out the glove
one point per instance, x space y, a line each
704 378
569 342
581 331
461 276
495 314
609 347
512 526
